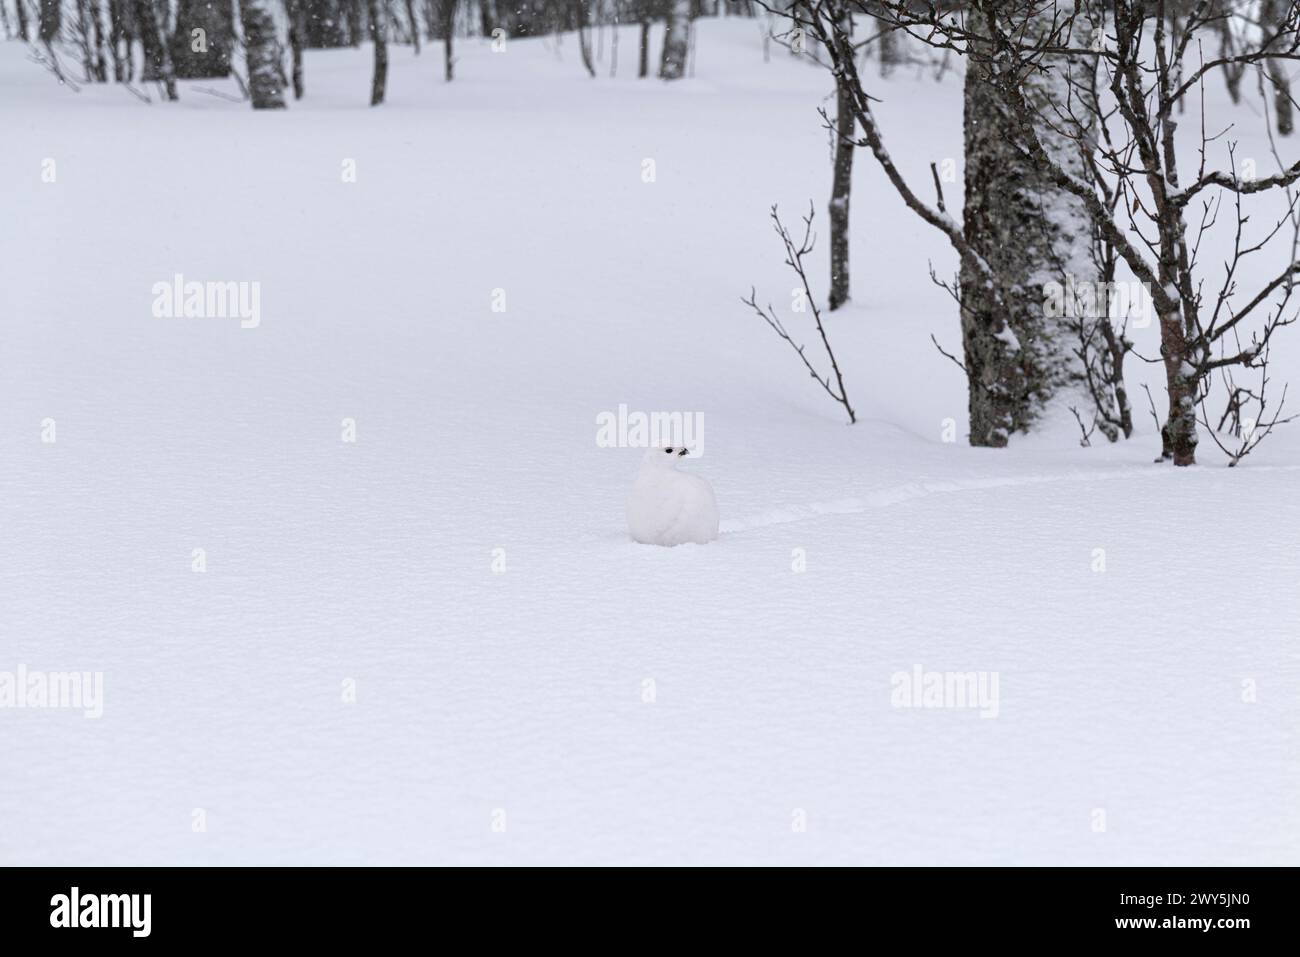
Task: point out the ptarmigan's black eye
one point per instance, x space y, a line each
669 451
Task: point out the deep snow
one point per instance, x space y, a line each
479 689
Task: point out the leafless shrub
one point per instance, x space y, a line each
794 258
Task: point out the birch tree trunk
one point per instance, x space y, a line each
51 20
643 68
157 61
887 43
90 29
1031 234
375 11
326 23
584 37
97 19
351 23
842 179
207 55
1232 72
119 40
677 34
415 25
265 78
296 11
1278 74
447 14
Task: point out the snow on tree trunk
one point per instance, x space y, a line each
1018 353
205 55
265 78
841 180
672 65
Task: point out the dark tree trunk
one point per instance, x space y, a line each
158 64
90 37
352 13
584 37
1117 351
51 20
486 23
643 69
887 44
842 180
1232 72
296 11
265 77
415 26
375 11
1282 98
119 40
23 30
1178 438
1278 75
677 38
448 12
97 21
326 24
1179 323
216 18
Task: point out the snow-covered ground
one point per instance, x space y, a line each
530 686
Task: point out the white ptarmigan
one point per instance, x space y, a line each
668 507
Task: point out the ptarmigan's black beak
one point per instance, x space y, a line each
681 453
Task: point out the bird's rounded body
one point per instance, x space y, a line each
668 507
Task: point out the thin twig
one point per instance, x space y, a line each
794 259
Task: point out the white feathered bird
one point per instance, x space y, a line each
668 507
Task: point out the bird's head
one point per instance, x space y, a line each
666 457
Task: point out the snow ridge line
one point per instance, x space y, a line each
898 494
